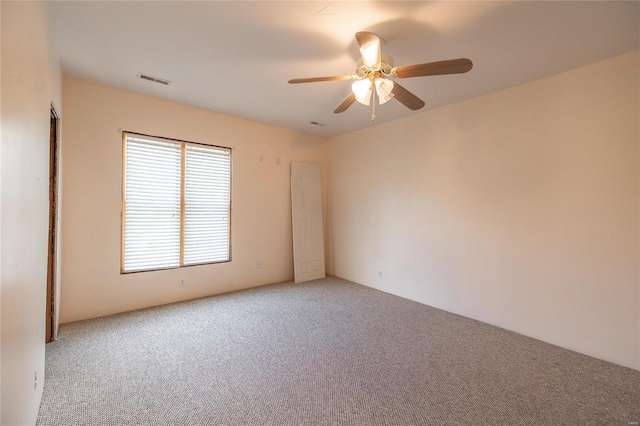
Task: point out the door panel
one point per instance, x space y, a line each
306 211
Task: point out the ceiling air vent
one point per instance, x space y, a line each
154 79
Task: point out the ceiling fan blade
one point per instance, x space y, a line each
407 98
314 79
453 66
369 45
346 103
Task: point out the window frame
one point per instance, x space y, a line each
184 144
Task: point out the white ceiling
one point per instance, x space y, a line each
236 57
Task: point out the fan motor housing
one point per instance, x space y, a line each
385 70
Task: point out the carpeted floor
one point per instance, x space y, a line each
328 352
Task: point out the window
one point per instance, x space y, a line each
176 203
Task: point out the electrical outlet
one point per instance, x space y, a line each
183 282
379 274
261 158
258 265
35 380
277 161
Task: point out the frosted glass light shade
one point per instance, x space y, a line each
383 89
362 89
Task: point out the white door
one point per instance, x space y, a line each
306 218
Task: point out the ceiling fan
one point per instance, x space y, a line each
373 72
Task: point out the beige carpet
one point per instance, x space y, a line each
328 352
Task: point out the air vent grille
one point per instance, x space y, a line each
155 79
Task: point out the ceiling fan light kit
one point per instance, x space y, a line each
373 73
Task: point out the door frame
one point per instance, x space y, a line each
52 252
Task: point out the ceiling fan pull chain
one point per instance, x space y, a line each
373 102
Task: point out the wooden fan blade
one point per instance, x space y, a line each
369 45
314 79
346 103
453 66
407 98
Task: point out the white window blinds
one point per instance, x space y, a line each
176 203
206 222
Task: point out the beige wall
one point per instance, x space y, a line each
518 208
261 220
30 82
